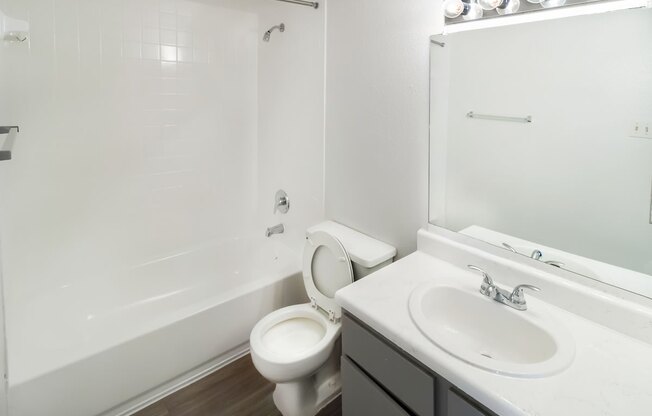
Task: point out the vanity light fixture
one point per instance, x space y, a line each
489 4
476 9
468 9
547 4
472 10
453 8
508 7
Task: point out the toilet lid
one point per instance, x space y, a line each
326 269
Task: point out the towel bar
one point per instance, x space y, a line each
527 119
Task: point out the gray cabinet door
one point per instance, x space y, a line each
361 396
412 386
380 379
458 406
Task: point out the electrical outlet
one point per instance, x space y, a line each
641 130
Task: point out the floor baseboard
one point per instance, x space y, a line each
158 393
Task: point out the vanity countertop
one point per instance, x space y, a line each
610 375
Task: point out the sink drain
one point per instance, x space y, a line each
484 354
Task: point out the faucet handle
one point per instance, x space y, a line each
555 263
518 297
281 202
487 284
510 248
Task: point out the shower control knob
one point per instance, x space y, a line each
281 202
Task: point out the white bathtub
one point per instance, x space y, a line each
92 346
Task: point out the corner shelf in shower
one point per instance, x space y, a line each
11 131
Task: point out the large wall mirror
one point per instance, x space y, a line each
541 142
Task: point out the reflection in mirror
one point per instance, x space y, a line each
541 142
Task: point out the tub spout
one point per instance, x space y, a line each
277 229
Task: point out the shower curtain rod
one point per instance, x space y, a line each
312 4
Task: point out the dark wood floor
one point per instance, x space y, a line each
235 390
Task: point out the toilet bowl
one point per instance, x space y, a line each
292 342
298 347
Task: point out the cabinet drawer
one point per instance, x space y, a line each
412 386
361 396
459 406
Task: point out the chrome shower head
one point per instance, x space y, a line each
268 34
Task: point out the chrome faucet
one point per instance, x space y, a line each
510 248
515 299
281 202
488 286
537 255
277 229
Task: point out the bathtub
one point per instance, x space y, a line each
104 345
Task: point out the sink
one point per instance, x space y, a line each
488 335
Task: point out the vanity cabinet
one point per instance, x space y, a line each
380 379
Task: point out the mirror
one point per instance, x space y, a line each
541 142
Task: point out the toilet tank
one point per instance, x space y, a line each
367 254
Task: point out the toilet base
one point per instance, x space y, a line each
307 396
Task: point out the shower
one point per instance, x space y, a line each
268 34
145 264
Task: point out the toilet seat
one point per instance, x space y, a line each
281 364
326 269
295 341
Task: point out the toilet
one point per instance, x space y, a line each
298 347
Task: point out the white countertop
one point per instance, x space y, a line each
610 375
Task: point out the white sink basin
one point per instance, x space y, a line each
489 335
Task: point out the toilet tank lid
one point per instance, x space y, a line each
362 249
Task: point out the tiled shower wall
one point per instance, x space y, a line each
138 124
149 128
141 130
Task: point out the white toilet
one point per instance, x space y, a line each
298 347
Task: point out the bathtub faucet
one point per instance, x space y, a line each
277 229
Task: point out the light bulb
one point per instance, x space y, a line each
453 8
472 11
489 4
508 7
552 3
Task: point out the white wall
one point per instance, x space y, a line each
291 118
572 179
377 116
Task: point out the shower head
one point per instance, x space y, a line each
268 34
